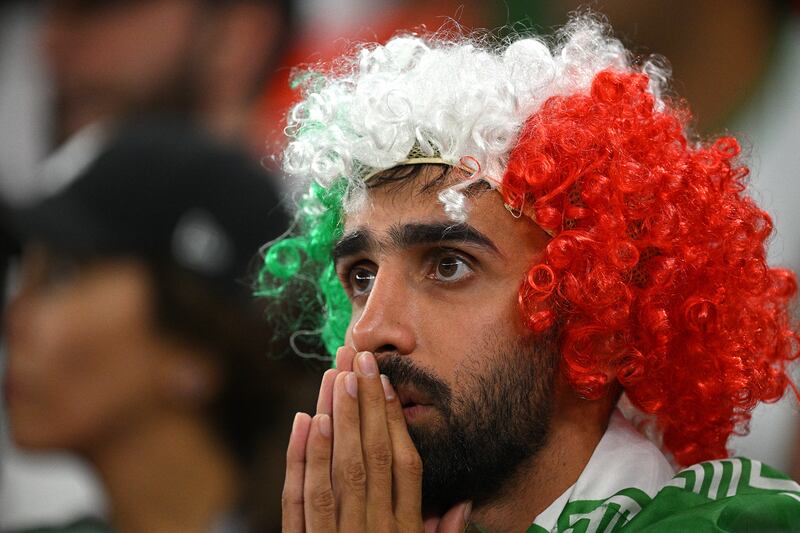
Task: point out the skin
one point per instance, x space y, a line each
412 300
89 372
175 56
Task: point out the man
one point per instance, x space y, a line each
527 237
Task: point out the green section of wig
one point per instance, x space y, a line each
305 255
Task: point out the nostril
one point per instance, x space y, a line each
386 348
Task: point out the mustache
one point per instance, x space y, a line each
401 371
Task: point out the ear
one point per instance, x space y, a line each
570 406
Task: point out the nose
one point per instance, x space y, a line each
386 322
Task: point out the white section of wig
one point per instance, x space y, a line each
455 204
455 97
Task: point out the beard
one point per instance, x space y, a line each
493 423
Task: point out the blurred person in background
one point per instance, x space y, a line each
207 59
100 62
68 64
134 340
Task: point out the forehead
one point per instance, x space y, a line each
415 201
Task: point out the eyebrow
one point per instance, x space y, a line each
353 243
410 235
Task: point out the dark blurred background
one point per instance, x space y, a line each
70 68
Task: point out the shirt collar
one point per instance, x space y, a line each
622 459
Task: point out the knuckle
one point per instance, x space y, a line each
291 497
379 455
410 463
323 501
354 475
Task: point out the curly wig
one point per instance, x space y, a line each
656 272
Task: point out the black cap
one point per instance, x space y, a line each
163 191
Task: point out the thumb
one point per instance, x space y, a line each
456 519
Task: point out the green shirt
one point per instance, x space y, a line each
628 486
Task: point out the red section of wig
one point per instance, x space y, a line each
657 273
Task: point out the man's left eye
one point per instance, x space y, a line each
451 268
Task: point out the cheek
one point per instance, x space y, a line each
444 342
74 375
449 334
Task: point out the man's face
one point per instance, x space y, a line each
437 303
85 361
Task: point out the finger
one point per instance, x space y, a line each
344 358
319 505
292 501
375 441
349 475
406 463
456 519
431 524
325 398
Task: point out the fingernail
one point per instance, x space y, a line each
324 425
351 384
367 364
296 421
467 512
336 358
388 390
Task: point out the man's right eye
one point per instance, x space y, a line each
361 280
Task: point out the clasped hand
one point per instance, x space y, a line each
353 467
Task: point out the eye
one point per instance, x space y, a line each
361 280
451 268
